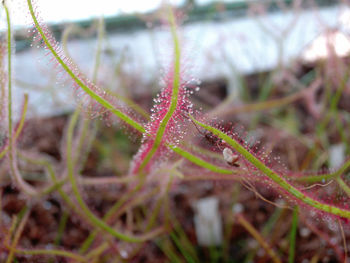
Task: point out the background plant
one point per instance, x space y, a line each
170 151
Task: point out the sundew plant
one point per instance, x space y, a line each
176 143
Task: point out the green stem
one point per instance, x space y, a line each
61 226
279 180
343 185
17 235
55 186
318 178
199 161
11 148
9 73
98 251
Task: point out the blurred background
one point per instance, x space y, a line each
222 42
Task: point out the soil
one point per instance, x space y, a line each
40 231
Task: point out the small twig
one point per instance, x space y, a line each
320 185
106 180
344 241
258 238
252 188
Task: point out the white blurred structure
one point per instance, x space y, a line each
207 222
336 155
327 44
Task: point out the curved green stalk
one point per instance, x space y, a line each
273 175
87 243
57 184
122 201
78 81
174 95
70 167
120 207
